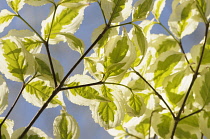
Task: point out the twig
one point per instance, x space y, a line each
160 97
177 118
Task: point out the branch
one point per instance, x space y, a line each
191 114
79 86
160 97
177 119
59 87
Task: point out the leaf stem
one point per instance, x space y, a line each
177 118
40 37
159 96
99 3
48 49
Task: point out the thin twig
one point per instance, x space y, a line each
160 97
48 49
190 114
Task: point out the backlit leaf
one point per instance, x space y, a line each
38 91
201 88
83 95
184 18
5 19
4 95
38 2
30 40
142 9
43 67
116 10
135 105
165 65
158 8
119 56
16 63
7 128
65 127
204 123
162 124
184 125
33 133
176 86
109 114
16 5
66 20
74 43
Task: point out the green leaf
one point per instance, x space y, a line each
136 106
143 127
119 56
106 37
176 86
77 1
16 5
158 8
43 67
140 42
65 127
66 20
30 40
163 43
94 66
16 63
87 95
38 91
184 125
5 19
201 88
165 66
33 133
184 18
4 95
204 123
139 39
7 128
74 43
38 2
162 124
142 9
118 131
196 51
116 10
203 7
109 114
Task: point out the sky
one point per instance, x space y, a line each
24 111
